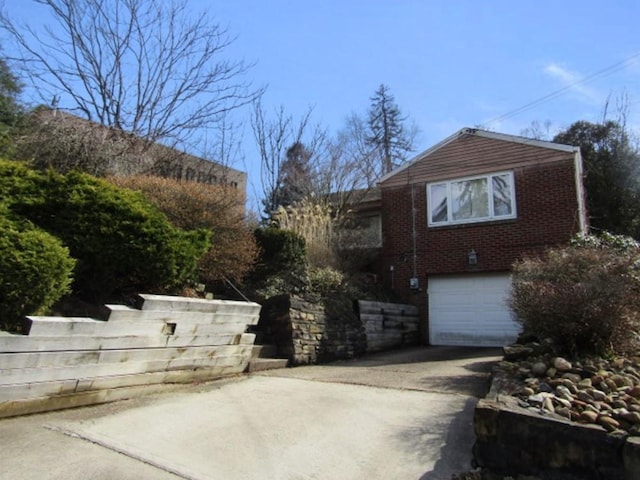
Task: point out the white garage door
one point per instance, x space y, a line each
470 310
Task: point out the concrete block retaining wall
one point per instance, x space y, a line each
389 325
63 362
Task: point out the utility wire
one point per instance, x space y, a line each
605 71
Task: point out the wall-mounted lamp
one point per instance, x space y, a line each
472 257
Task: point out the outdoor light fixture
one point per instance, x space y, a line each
472 257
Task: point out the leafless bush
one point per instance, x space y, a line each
585 297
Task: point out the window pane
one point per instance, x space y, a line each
469 199
502 202
438 202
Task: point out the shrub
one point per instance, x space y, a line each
281 265
584 297
325 281
122 242
19 183
35 271
314 223
217 208
281 251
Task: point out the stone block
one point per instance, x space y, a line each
631 457
513 440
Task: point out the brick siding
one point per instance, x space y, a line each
547 215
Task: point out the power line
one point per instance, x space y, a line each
605 71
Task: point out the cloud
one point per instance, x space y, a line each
573 81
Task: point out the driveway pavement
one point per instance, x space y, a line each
398 415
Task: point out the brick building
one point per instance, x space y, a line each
456 217
113 152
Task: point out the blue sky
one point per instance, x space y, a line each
449 63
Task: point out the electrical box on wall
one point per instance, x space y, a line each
414 283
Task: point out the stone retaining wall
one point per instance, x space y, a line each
512 440
309 333
63 362
305 334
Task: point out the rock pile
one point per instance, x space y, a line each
590 390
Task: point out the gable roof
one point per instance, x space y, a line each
481 134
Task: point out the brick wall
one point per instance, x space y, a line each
547 215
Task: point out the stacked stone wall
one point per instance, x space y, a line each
308 332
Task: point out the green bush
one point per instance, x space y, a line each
281 265
18 183
585 297
35 271
325 281
281 251
122 243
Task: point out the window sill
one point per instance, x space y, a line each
502 221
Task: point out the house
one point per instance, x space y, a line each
456 217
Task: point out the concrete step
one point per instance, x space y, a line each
258 364
264 351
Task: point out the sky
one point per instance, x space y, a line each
499 64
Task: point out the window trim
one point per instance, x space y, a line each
492 216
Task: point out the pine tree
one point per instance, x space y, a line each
387 136
295 175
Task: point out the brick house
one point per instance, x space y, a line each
456 217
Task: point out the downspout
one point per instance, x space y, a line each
578 169
414 233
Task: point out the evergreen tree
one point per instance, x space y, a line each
387 137
295 182
612 165
11 110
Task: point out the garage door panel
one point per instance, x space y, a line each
470 310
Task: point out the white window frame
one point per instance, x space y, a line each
490 218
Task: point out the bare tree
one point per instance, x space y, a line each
537 130
358 158
278 139
147 67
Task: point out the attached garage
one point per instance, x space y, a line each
470 310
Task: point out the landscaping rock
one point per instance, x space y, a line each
593 390
539 369
562 364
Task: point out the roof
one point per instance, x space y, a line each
484 134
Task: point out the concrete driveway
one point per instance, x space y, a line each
398 415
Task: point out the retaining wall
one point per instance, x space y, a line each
63 362
389 325
307 332
512 440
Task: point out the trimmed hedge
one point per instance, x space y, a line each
122 243
35 271
281 251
